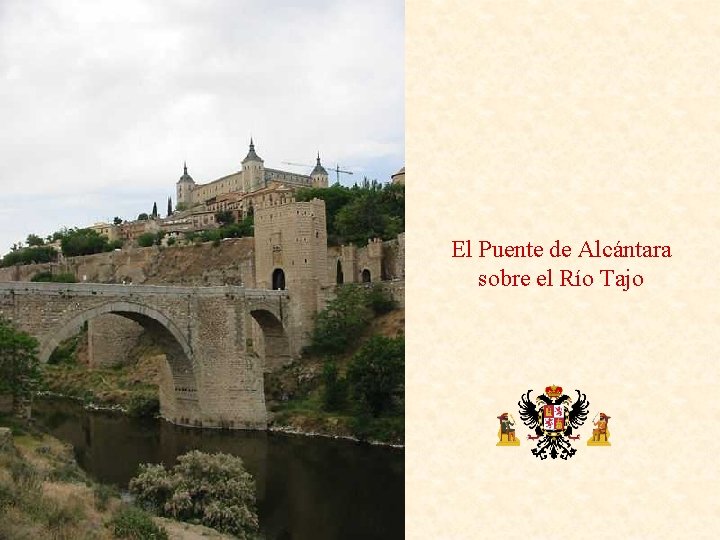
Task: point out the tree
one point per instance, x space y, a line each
19 366
377 373
341 323
34 240
143 217
76 242
154 211
225 217
146 239
213 489
169 208
117 220
335 391
29 255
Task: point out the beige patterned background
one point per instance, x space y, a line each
570 120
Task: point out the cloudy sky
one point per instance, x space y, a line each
101 100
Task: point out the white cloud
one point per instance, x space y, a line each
102 101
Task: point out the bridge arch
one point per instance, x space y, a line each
276 345
179 384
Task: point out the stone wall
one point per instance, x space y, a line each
6 403
230 263
110 340
384 260
212 379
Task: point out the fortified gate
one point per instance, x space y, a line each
213 377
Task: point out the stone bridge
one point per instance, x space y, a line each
213 376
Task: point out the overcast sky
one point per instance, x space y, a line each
102 101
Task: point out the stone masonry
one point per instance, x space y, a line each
212 379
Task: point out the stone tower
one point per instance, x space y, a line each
253 170
319 175
291 253
184 187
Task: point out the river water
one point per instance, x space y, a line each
307 487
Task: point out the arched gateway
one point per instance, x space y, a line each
213 378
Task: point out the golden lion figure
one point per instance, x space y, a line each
600 433
506 433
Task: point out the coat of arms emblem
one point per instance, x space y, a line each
553 417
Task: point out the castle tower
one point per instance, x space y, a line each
319 175
253 171
291 254
185 187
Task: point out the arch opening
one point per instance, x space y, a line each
178 387
278 279
273 344
365 276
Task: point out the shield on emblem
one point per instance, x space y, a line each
553 418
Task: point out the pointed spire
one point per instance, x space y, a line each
186 177
319 169
251 155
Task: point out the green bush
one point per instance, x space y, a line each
143 405
380 301
102 494
133 523
342 322
67 472
377 374
335 390
213 489
30 255
49 277
115 244
146 239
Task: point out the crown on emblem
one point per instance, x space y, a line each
553 391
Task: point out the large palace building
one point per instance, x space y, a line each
252 177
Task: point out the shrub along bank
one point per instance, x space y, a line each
351 382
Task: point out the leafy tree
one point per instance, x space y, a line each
76 242
364 211
117 220
212 489
377 373
146 239
19 366
380 301
30 255
226 217
335 391
181 206
342 321
34 240
143 217
335 197
115 244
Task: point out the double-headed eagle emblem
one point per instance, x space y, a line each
553 417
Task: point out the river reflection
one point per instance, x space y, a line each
307 487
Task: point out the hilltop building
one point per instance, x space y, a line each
253 176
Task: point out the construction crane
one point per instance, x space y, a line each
337 169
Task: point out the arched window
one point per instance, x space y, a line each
365 276
340 279
278 280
